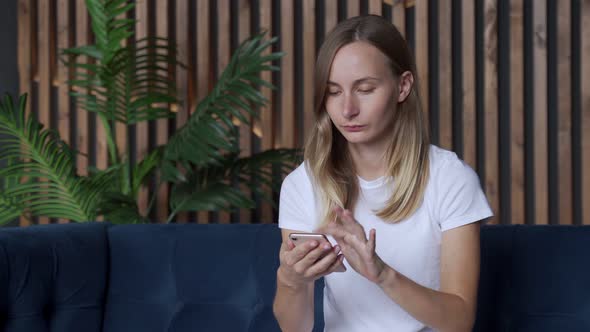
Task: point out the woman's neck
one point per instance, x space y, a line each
369 162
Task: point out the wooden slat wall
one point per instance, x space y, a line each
541 178
26 30
585 50
504 84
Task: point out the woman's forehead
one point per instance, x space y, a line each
358 60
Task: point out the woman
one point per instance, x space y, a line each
370 172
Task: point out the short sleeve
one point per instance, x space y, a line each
460 197
296 203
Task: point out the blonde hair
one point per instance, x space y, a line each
327 157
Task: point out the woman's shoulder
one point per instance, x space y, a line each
440 156
300 173
298 178
442 160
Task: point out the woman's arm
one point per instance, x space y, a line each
453 308
300 266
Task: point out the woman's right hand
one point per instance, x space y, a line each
300 265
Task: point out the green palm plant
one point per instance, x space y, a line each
129 84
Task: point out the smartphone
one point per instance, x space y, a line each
299 238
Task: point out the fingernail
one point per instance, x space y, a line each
336 248
313 244
326 246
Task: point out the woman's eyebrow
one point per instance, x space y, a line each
358 81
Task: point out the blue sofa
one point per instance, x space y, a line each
176 278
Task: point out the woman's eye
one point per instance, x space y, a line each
333 93
367 90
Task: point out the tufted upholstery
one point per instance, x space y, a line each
53 278
176 278
534 279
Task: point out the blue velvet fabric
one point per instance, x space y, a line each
53 278
534 278
186 277
176 278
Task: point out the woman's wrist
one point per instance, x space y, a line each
387 279
283 280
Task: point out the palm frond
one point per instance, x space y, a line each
142 171
210 197
262 172
10 205
133 86
210 187
38 154
209 132
120 209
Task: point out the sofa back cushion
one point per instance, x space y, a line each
534 278
181 277
53 277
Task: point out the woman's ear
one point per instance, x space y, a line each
405 83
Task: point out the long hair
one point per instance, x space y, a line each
326 153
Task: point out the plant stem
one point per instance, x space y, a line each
110 142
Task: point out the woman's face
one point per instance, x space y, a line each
361 94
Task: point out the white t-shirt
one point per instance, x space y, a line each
453 197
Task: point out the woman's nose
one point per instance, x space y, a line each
350 108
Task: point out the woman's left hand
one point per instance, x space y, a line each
356 248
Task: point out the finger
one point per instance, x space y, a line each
300 251
337 232
323 265
312 257
338 265
372 239
290 245
348 218
337 210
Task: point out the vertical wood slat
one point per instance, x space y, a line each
101 155
468 54
540 106
162 15
287 72
82 38
375 7
24 60
445 75
266 113
564 113
182 45
421 52
308 63
517 110
399 16
202 67
331 16
223 57
63 42
141 129
353 8
121 130
245 129
585 33
44 58
491 106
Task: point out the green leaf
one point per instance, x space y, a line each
231 97
52 189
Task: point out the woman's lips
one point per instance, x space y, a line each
353 128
